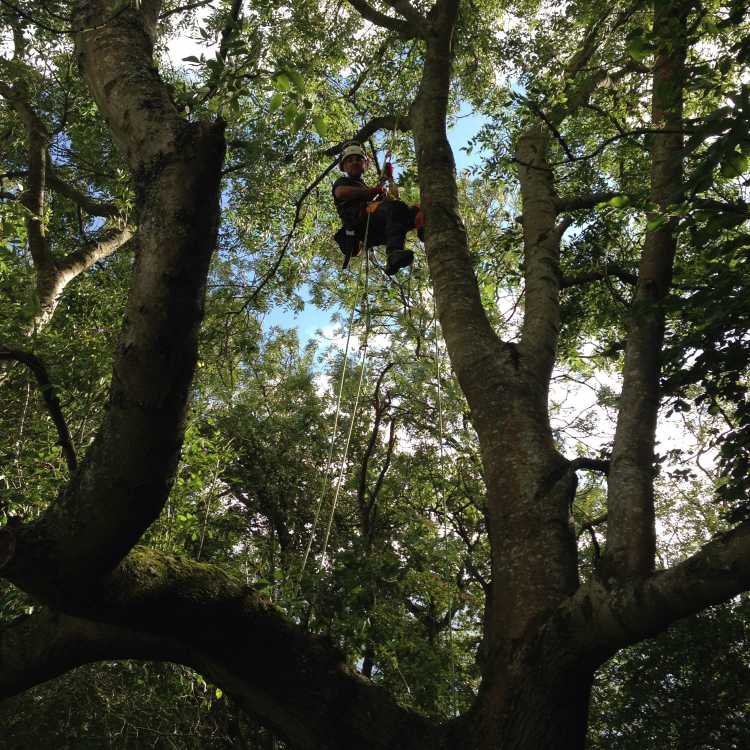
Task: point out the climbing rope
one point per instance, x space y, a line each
366 266
363 368
334 431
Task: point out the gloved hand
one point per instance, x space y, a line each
373 192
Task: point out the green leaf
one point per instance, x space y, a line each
734 165
299 121
639 48
320 125
619 201
276 101
281 81
290 112
297 80
219 693
657 223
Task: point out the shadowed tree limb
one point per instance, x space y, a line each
612 269
400 122
402 28
50 400
590 464
122 486
86 202
44 645
207 618
410 13
589 526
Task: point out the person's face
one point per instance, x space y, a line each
354 165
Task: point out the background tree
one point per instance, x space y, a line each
472 585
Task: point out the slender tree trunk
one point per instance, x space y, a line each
631 533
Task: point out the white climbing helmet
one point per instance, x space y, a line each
353 149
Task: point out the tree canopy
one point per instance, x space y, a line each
538 536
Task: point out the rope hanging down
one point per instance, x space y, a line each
386 175
365 265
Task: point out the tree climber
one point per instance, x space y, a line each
389 218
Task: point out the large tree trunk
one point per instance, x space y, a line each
545 633
529 486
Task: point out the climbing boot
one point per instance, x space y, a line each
398 259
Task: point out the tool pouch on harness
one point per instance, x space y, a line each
348 241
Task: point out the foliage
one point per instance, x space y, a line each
401 588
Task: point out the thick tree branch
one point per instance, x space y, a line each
589 526
409 12
183 8
52 275
402 28
81 260
599 619
612 269
52 279
541 321
86 202
402 123
124 482
119 70
590 464
50 399
37 648
203 616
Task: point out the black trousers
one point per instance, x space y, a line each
389 225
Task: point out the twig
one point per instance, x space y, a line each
287 241
181 8
50 399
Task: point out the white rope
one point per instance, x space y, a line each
334 432
342 466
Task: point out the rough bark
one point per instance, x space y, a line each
631 534
545 634
528 487
125 478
